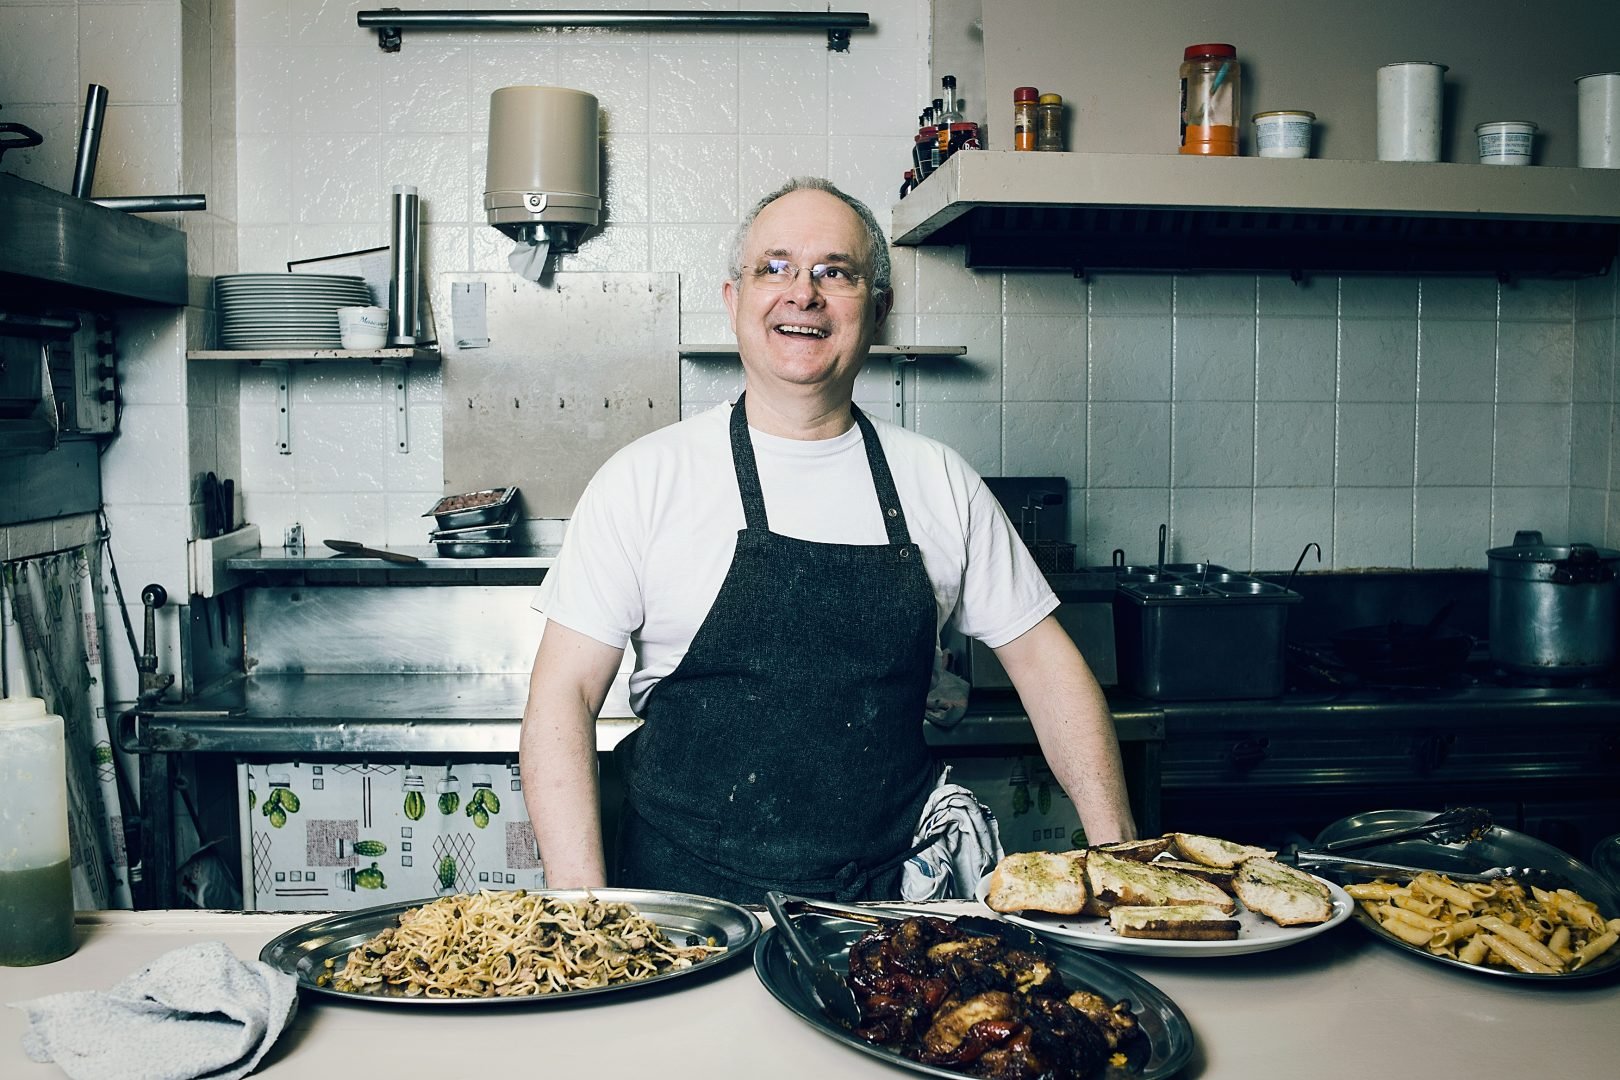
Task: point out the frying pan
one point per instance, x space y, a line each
350 547
1398 648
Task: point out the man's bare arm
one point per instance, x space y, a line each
557 754
1073 726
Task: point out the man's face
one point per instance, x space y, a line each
804 335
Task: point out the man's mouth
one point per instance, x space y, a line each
800 331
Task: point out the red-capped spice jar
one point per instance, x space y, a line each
1024 99
1211 85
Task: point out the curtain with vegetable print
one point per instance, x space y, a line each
51 648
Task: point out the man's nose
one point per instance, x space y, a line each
804 289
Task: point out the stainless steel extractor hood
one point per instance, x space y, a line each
1083 212
65 252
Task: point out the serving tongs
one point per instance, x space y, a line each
829 988
1459 825
1338 864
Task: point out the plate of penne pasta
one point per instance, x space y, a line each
1564 926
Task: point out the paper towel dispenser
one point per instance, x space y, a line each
543 181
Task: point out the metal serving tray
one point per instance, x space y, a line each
498 509
304 950
1170 1037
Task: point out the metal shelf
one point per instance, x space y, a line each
1087 211
320 558
390 23
397 359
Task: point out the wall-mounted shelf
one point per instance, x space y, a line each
397 360
390 23
1085 211
311 356
897 356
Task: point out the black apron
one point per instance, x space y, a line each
786 750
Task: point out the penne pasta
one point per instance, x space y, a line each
1501 923
1593 949
1514 958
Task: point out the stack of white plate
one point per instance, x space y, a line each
279 311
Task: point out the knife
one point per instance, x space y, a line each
350 547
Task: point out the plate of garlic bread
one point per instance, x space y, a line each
1181 894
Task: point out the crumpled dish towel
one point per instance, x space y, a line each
194 1012
967 845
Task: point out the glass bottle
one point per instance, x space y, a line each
922 147
951 115
1049 122
1211 84
1024 98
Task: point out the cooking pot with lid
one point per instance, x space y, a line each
1553 608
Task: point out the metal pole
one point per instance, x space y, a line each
153 204
84 167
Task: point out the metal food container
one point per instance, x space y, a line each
492 506
479 541
1201 632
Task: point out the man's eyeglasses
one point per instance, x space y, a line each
778 274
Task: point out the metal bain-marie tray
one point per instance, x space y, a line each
304 950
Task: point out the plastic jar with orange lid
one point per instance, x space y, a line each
1211 89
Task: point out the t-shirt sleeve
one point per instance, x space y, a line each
594 587
1003 592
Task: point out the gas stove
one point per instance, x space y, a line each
1319 666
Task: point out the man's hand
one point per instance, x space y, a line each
557 754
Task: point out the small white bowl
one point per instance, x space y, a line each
363 327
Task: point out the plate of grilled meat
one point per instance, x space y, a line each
974 996
1181 894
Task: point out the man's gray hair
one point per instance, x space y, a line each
881 264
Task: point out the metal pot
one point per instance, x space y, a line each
1554 608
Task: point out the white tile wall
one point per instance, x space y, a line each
1396 421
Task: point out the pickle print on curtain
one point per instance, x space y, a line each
52 650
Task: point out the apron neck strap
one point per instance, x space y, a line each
753 497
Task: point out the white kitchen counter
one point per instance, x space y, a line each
1340 1005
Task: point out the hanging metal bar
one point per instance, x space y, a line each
390 23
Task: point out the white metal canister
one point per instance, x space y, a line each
1505 142
36 884
1410 111
1283 133
1597 121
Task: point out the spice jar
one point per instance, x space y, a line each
1049 122
1211 80
1024 117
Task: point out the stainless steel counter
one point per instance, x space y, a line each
1336 1006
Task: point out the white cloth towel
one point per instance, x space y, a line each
968 845
197 1011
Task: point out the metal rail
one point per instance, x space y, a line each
390 23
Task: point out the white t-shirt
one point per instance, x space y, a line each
653 535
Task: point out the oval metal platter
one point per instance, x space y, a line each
1170 1037
304 950
1499 847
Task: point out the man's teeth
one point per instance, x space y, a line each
808 331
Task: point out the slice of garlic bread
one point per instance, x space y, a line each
1283 894
1140 850
1175 922
1038 881
1213 851
1215 875
1126 883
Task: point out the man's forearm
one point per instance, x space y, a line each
1074 728
557 760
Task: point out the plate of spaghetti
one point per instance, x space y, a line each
513 946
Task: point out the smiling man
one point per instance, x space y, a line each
782 566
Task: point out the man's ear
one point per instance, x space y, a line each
885 304
728 293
